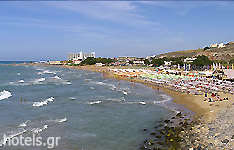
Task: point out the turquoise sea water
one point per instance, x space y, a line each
88 111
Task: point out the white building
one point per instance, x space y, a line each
80 56
221 45
77 61
189 60
138 62
55 62
167 63
150 57
214 45
99 64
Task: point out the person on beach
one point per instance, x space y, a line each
21 99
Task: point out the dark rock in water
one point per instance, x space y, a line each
160 125
145 141
143 147
150 143
225 141
167 121
145 130
160 143
185 124
232 137
180 123
166 128
156 148
162 132
158 136
199 148
153 133
179 114
172 117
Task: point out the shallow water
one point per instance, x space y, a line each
100 113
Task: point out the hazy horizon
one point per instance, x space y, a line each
35 30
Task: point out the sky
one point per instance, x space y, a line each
48 30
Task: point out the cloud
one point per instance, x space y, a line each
124 12
80 30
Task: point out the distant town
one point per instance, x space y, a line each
207 58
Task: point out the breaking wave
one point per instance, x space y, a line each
45 102
95 102
5 94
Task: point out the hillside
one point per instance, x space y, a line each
187 53
226 53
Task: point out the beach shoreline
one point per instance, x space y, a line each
195 103
206 113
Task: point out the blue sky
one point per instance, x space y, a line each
49 30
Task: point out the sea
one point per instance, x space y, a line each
84 109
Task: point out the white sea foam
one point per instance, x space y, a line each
125 93
45 102
165 97
95 102
41 79
24 124
106 84
142 103
40 73
56 77
72 98
21 81
62 120
38 130
18 74
5 94
68 83
92 88
48 72
57 120
122 99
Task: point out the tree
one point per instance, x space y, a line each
92 61
202 61
158 62
206 48
231 61
146 61
177 62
